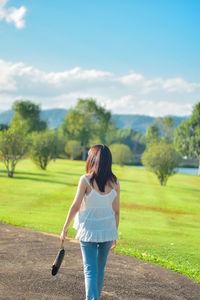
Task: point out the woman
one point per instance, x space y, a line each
96 207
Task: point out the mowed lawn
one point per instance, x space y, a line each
159 224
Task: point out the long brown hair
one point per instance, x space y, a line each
99 166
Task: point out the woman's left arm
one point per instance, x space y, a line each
74 207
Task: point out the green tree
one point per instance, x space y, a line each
162 129
61 142
3 127
161 159
166 128
132 138
87 122
182 138
121 154
43 148
73 149
187 135
152 135
105 124
13 145
27 115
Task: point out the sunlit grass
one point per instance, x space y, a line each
159 224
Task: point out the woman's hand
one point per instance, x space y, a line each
63 235
113 245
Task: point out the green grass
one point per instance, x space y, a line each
158 224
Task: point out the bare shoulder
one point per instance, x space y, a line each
87 175
82 180
87 178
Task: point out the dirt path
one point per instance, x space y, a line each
25 272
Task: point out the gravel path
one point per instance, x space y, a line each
26 257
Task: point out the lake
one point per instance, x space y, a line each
193 171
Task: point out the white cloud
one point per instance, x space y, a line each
179 85
76 74
7 82
6 101
130 105
146 86
130 93
12 14
131 78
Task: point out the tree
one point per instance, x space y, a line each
161 159
121 154
13 145
162 129
3 127
182 137
152 135
105 125
73 149
166 128
132 138
87 122
61 142
43 148
27 115
187 135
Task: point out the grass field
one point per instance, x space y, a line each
158 224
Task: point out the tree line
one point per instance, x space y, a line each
89 123
165 146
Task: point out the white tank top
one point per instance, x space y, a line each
95 221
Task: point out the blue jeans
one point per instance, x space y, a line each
94 261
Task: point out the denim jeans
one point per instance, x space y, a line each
94 261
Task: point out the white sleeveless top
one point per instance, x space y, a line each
95 221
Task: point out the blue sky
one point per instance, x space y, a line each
132 56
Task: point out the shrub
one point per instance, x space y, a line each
13 145
73 149
161 159
121 154
44 148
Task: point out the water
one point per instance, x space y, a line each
193 171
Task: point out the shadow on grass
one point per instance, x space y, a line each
191 189
26 173
46 180
41 180
68 173
128 180
185 188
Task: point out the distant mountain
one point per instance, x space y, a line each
55 117
6 116
141 122
137 122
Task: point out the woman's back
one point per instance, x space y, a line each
95 220
94 192
107 189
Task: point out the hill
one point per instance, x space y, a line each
55 117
